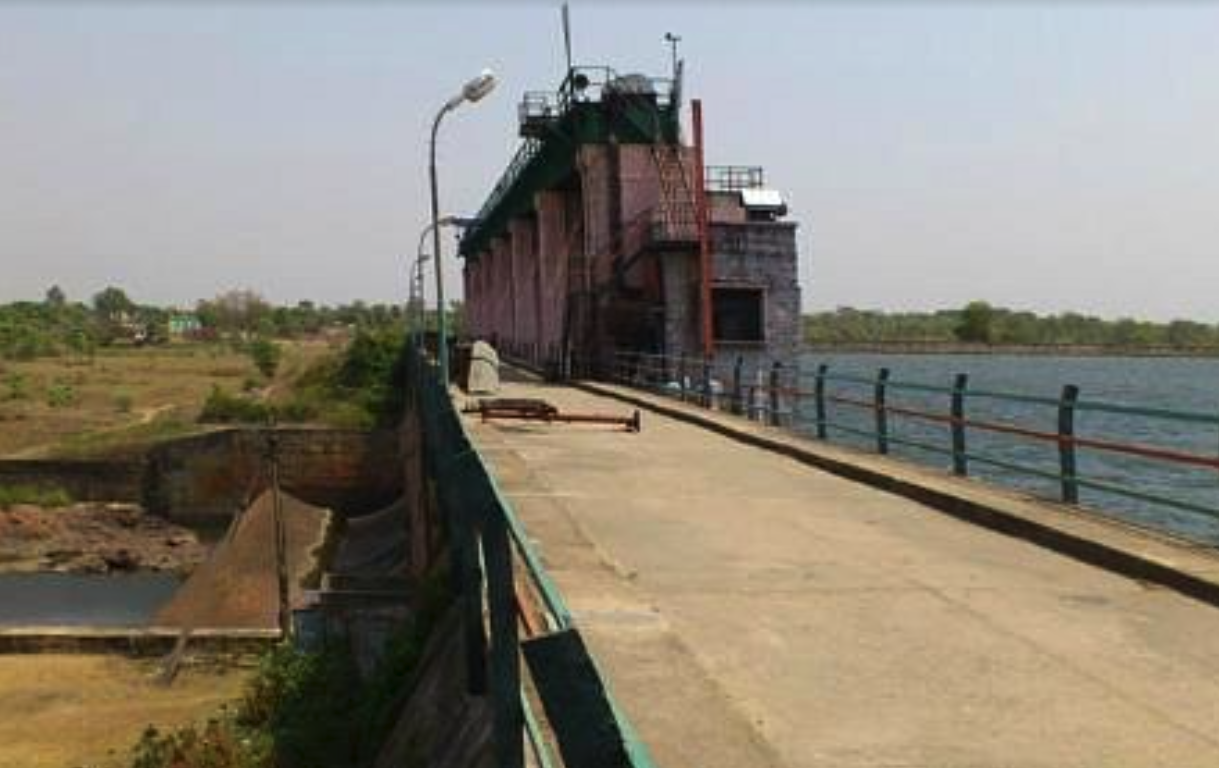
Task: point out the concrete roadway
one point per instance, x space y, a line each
752 611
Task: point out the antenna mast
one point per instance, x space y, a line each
567 36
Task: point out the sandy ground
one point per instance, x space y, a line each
89 711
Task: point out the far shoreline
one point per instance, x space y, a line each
1025 350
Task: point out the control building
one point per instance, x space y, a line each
607 236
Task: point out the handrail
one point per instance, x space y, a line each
1099 406
775 401
489 547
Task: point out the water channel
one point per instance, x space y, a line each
1186 384
67 599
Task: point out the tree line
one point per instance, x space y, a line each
59 326
981 323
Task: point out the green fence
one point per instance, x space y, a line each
494 566
879 412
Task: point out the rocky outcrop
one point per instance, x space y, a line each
94 538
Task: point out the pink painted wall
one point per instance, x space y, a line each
499 324
598 197
524 281
552 237
639 180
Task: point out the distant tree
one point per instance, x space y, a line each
266 355
153 325
111 310
1184 334
998 326
236 311
457 317
112 303
56 297
976 323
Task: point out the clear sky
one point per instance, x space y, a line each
1032 155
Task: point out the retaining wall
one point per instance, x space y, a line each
206 477
121 480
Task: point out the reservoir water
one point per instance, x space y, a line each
1187 384
63 599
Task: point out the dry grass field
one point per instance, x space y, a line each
123 398
88 711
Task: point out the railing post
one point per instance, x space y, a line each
464 559
1066 444
819 399
775 375
706 398
960 461
505 683
882 417
736 385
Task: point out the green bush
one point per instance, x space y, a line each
363 387
16 386
123 402
61 394
34 495
224 408
266 355
219 744
306 710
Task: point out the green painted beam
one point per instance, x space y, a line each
555 159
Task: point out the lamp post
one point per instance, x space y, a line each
416 275
472 91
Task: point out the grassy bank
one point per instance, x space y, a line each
305 710
63 711
120 400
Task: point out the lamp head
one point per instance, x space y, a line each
479 87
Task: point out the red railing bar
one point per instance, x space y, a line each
1131 449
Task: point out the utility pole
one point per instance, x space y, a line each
673 40
281 545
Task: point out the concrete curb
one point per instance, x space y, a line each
1188 568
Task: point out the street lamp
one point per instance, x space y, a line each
416 289
472 91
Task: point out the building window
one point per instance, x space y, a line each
737 314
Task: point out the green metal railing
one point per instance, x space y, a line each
494 564
878 402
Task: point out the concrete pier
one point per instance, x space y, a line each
750 609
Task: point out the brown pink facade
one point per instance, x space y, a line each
618 250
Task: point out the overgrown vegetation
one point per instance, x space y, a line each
11 495
304 710
360 387
57 326
266 355
981 323
128 441
222 407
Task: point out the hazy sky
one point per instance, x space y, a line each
1032 155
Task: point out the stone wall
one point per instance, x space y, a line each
82 480
762 254
208 476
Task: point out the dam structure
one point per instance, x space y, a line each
694 585
608 234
